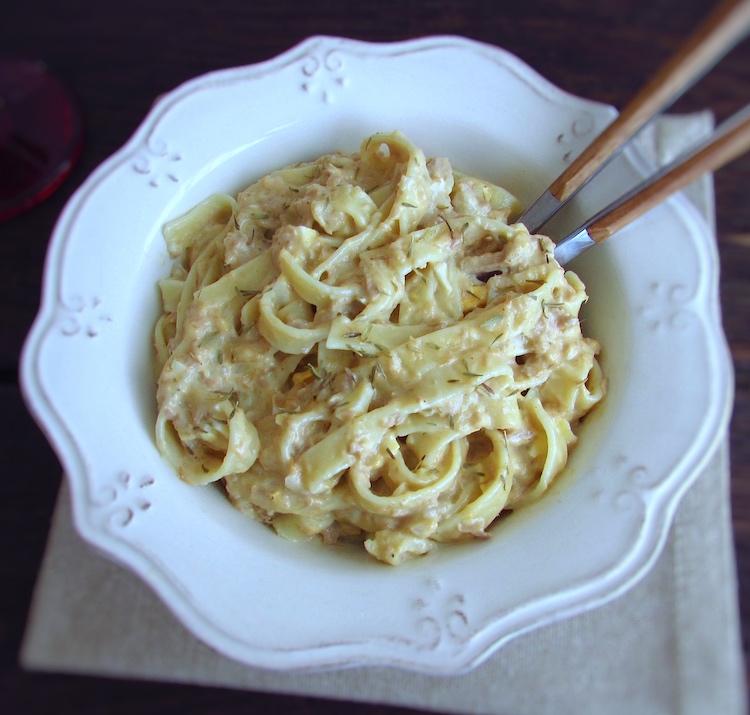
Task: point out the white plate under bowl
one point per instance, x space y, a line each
88 379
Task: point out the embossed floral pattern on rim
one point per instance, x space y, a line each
444 614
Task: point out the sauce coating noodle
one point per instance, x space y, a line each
327 350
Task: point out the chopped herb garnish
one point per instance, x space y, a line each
208 338
379 368
546 305
358 351
467 372
494 319
223 394
315 370
352 335
433 346
235 401
487 388
246 293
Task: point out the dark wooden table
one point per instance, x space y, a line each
119 56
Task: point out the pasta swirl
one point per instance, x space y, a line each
328 351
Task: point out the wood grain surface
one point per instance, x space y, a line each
118 57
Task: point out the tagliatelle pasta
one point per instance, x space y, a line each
328 351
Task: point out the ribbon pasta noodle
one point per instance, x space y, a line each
328 351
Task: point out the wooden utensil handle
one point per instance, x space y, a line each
729 146
721 30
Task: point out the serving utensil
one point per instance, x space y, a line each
730 140
720 31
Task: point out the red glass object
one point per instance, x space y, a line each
40 135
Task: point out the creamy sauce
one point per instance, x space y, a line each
327 350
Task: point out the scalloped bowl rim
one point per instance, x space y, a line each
435 631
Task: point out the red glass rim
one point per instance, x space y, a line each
40 134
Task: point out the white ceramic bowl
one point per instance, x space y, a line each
87 370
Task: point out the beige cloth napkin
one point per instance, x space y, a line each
670 645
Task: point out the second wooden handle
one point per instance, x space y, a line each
721 30
726 148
